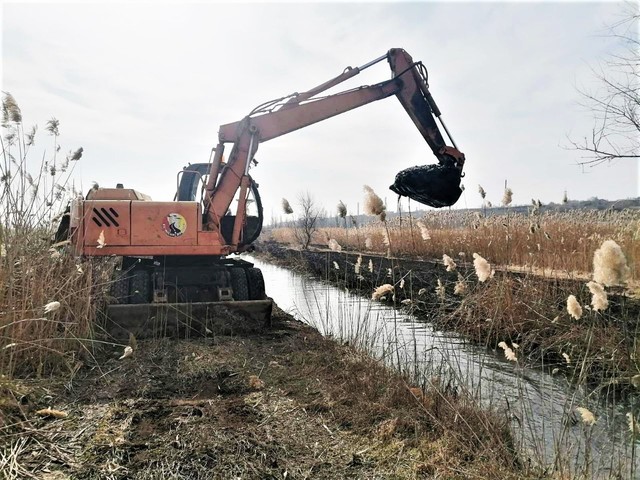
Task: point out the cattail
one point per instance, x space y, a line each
401 283
381 291
599 300
371 265
368 244
334 245
424 231
51 307
460 287
481 191
587 417
565 199
566 358
440 290
449 263
507 196
358 264
373 204
573 307
10 110
483 269
336 266
342 209
610 265
101 242
286 206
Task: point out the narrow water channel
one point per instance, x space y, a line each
541 406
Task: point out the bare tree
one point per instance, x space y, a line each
615 104
306 224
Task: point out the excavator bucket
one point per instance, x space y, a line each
434 185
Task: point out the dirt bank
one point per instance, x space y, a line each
282 403
528 310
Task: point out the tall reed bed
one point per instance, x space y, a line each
48 300
541 242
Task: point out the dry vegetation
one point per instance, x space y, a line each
285 403
559 243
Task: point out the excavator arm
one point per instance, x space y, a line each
437 185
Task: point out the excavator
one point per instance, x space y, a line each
177 255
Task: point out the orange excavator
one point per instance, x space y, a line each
178 252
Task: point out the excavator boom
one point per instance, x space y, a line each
437 185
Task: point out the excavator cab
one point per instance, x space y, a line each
192 182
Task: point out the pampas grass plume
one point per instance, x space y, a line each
483 269
587 416
508 353
424 231
51 307
286 206
440 290
507 197
449 263
610 265
599 300
381 291
373 204
342 209
573 307
358 264
334 245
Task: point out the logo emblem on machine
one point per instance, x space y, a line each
174 225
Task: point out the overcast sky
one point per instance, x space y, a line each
143 88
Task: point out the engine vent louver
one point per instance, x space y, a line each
104 217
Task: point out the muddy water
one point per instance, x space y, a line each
541 406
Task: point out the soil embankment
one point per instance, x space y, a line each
278 403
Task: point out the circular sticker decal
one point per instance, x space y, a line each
174 225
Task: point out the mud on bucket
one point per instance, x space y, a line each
434 185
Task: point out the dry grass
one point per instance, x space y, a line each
33 274
287 403
562 242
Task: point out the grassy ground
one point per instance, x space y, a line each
286 403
